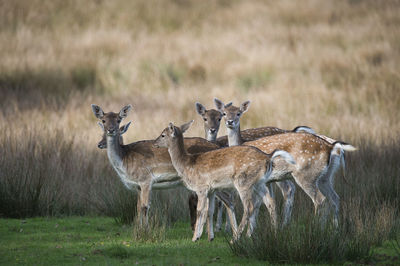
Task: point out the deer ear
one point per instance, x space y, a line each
101 125
124 111
186 126
219 104
201 110
245 106
98 112
227 105
171 129
124 128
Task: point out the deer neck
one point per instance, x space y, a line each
234 137
114 152
179 156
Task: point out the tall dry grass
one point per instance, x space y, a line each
331 65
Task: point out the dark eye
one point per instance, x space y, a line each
219 119
238 114
205 119
103 121
163 135
119 121
224 114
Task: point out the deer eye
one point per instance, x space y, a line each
103 121
119 121
219 119
162 135
238 114
205 119
224 114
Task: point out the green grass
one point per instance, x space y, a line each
84 240
98 241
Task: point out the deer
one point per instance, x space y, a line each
192 199
212 120
245 168
317 160
143 167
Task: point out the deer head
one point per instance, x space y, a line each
212 120
171 134
232 113
110 121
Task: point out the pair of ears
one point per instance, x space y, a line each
201 110
99 113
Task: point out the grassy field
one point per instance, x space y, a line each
94 241
331 65
100 241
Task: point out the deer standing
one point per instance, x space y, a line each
140 165
212 120
317 160
245 168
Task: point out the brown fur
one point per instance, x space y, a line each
142 161
241 167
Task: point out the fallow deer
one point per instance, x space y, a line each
140 164
192 198
245 168
212 120
317 160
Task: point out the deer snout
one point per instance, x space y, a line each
229 122
102 145
111 131
213 130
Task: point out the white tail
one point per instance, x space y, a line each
285 155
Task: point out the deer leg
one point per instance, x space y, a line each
218 225
248 208
288 189
230 210
260 191
202 206
227 223
193 209
139 206
211 206
144 204
326 188
325 183
269 202
311 189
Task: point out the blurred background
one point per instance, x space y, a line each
331 65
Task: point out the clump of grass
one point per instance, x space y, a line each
120 205
305 240
153 231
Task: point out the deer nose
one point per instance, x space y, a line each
230 122
101 145
213 130
111 131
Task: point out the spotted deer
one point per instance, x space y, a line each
140 165
245 168
212 120
317 160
